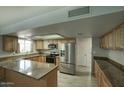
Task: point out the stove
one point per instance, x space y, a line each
51 58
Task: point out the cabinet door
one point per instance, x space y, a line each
101 78
118 38
104 81
57 60
2 73
107 41
40 58
102 42
110 43
98 74
10 43
15 44
7 44
122 37
34 58
96 71
39 44
44 58
113 40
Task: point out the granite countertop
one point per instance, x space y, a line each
23 54
17 54
113 73
29 68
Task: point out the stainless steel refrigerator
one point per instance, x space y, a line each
67 58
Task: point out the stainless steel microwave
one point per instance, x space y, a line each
53 46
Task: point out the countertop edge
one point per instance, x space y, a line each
5 56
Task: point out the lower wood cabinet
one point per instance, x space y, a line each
101 77
57 60
2 72
104 82
42 59
37 58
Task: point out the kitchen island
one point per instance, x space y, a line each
27 73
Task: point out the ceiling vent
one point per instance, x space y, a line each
79 11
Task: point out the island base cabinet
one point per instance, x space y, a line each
15 79
2 72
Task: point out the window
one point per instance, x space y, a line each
25 45
24 65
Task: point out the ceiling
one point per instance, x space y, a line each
14 14
28 21
94 26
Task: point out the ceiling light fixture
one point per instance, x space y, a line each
43 37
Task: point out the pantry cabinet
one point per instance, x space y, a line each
10 43
114 39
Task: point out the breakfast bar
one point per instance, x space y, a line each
27 73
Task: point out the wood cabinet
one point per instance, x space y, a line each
101 77
34 58
38 44
2 72
10 43
104 82
6 59
57 60
114 39
19 80
38 58
42 59
98 74
122 36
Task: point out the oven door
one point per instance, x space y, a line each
51 60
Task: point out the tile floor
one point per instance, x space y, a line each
83 78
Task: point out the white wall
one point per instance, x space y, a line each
84 51
117 56
97 51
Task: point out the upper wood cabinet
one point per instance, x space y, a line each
38 44
122 36
114 39
10 43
